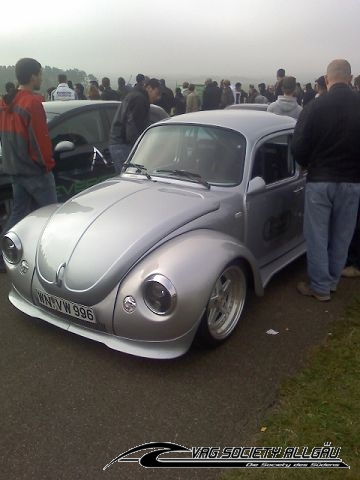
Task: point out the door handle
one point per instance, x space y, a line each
298 189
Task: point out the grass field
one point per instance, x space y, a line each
321 404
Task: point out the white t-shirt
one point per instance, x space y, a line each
63 92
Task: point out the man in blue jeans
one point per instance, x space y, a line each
327 143
26 146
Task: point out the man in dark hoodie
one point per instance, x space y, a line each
130 120
26 146
166 100
108 93
211 96
280 75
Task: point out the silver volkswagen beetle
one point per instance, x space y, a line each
208 205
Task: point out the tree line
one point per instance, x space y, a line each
50 77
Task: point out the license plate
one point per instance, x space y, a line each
64 306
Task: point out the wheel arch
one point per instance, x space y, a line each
249 272
192 261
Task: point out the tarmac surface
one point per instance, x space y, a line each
69 405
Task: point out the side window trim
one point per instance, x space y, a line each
259 164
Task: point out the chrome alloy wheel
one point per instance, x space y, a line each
226 303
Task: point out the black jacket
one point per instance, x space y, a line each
166 100
131 118
211 97
327 136
109 94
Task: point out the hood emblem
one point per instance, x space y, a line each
60 274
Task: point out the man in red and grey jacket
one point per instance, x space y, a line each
26 146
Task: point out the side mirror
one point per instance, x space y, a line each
256 184
64 146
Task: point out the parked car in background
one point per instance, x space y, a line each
79 131
209 204
261 107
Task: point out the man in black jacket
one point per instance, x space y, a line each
166 100
327 143
130 121
211 96
108 93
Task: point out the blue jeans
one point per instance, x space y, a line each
329 223
30 193
119 154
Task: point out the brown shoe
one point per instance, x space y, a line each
350 272
305 289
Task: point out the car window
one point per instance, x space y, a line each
214 153
273 160
110 112
83 128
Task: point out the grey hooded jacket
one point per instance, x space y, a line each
285 105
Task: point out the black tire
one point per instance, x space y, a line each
225 306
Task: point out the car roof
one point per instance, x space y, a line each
251 123
58 107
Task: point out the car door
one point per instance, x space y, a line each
274 222
88 163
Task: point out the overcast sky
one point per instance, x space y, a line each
226 38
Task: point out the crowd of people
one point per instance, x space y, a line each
192 97
326 143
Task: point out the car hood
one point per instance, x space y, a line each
96 237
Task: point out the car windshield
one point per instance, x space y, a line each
191 152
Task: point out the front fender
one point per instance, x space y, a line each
29 231
192 262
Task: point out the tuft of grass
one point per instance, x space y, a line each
321 404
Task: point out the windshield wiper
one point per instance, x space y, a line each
139 169
185 173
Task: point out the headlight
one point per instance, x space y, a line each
12 248
159 294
